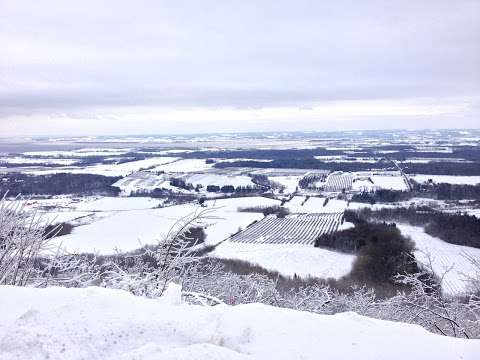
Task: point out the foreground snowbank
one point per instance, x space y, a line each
97 323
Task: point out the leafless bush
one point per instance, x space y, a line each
22 239
426 306
423 304
148 272
473 280
176 258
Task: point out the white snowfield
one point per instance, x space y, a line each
184 166
122 169
117 203
290 182
129 223
80 152
338 181
97 323
315 205
388 182
68 209
301 260
292 229
22 160
206 179
449 179
445 257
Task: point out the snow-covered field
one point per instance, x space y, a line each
22 160
450 179
389 182
183 166
339 181
444 257
143 180
290 182
79 152
129 223
206 179
289 260
98 323
122 169
125 168
315 205
292 229
117 203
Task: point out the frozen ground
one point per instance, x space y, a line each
122 169
118 203
70 209
22 160
389 182
96 323
184 166
289 260
290 182
444 256
143 180
450 179
315 205
298 229
128 223
206 179
79 152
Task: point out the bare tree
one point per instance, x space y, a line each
149 272
22 239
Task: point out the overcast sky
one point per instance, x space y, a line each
130 67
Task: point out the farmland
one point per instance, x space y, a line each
312 177
293 229
339 182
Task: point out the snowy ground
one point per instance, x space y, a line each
97 323
290 182
80 152
206 179
389 182
289 260
117 203
143 180
450 179
301 229
70 209
128 223
183 166
21 160
444 256
122 169
315 205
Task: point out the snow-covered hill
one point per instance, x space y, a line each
97 323
449 261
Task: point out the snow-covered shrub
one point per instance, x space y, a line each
473 281
22 238
426 306
423 304
149 271
231 288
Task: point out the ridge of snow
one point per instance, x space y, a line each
98 323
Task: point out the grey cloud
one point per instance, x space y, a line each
64 55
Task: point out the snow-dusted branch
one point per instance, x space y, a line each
22 239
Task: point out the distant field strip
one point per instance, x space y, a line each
293 229
339 182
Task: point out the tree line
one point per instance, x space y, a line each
458 228
58 184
